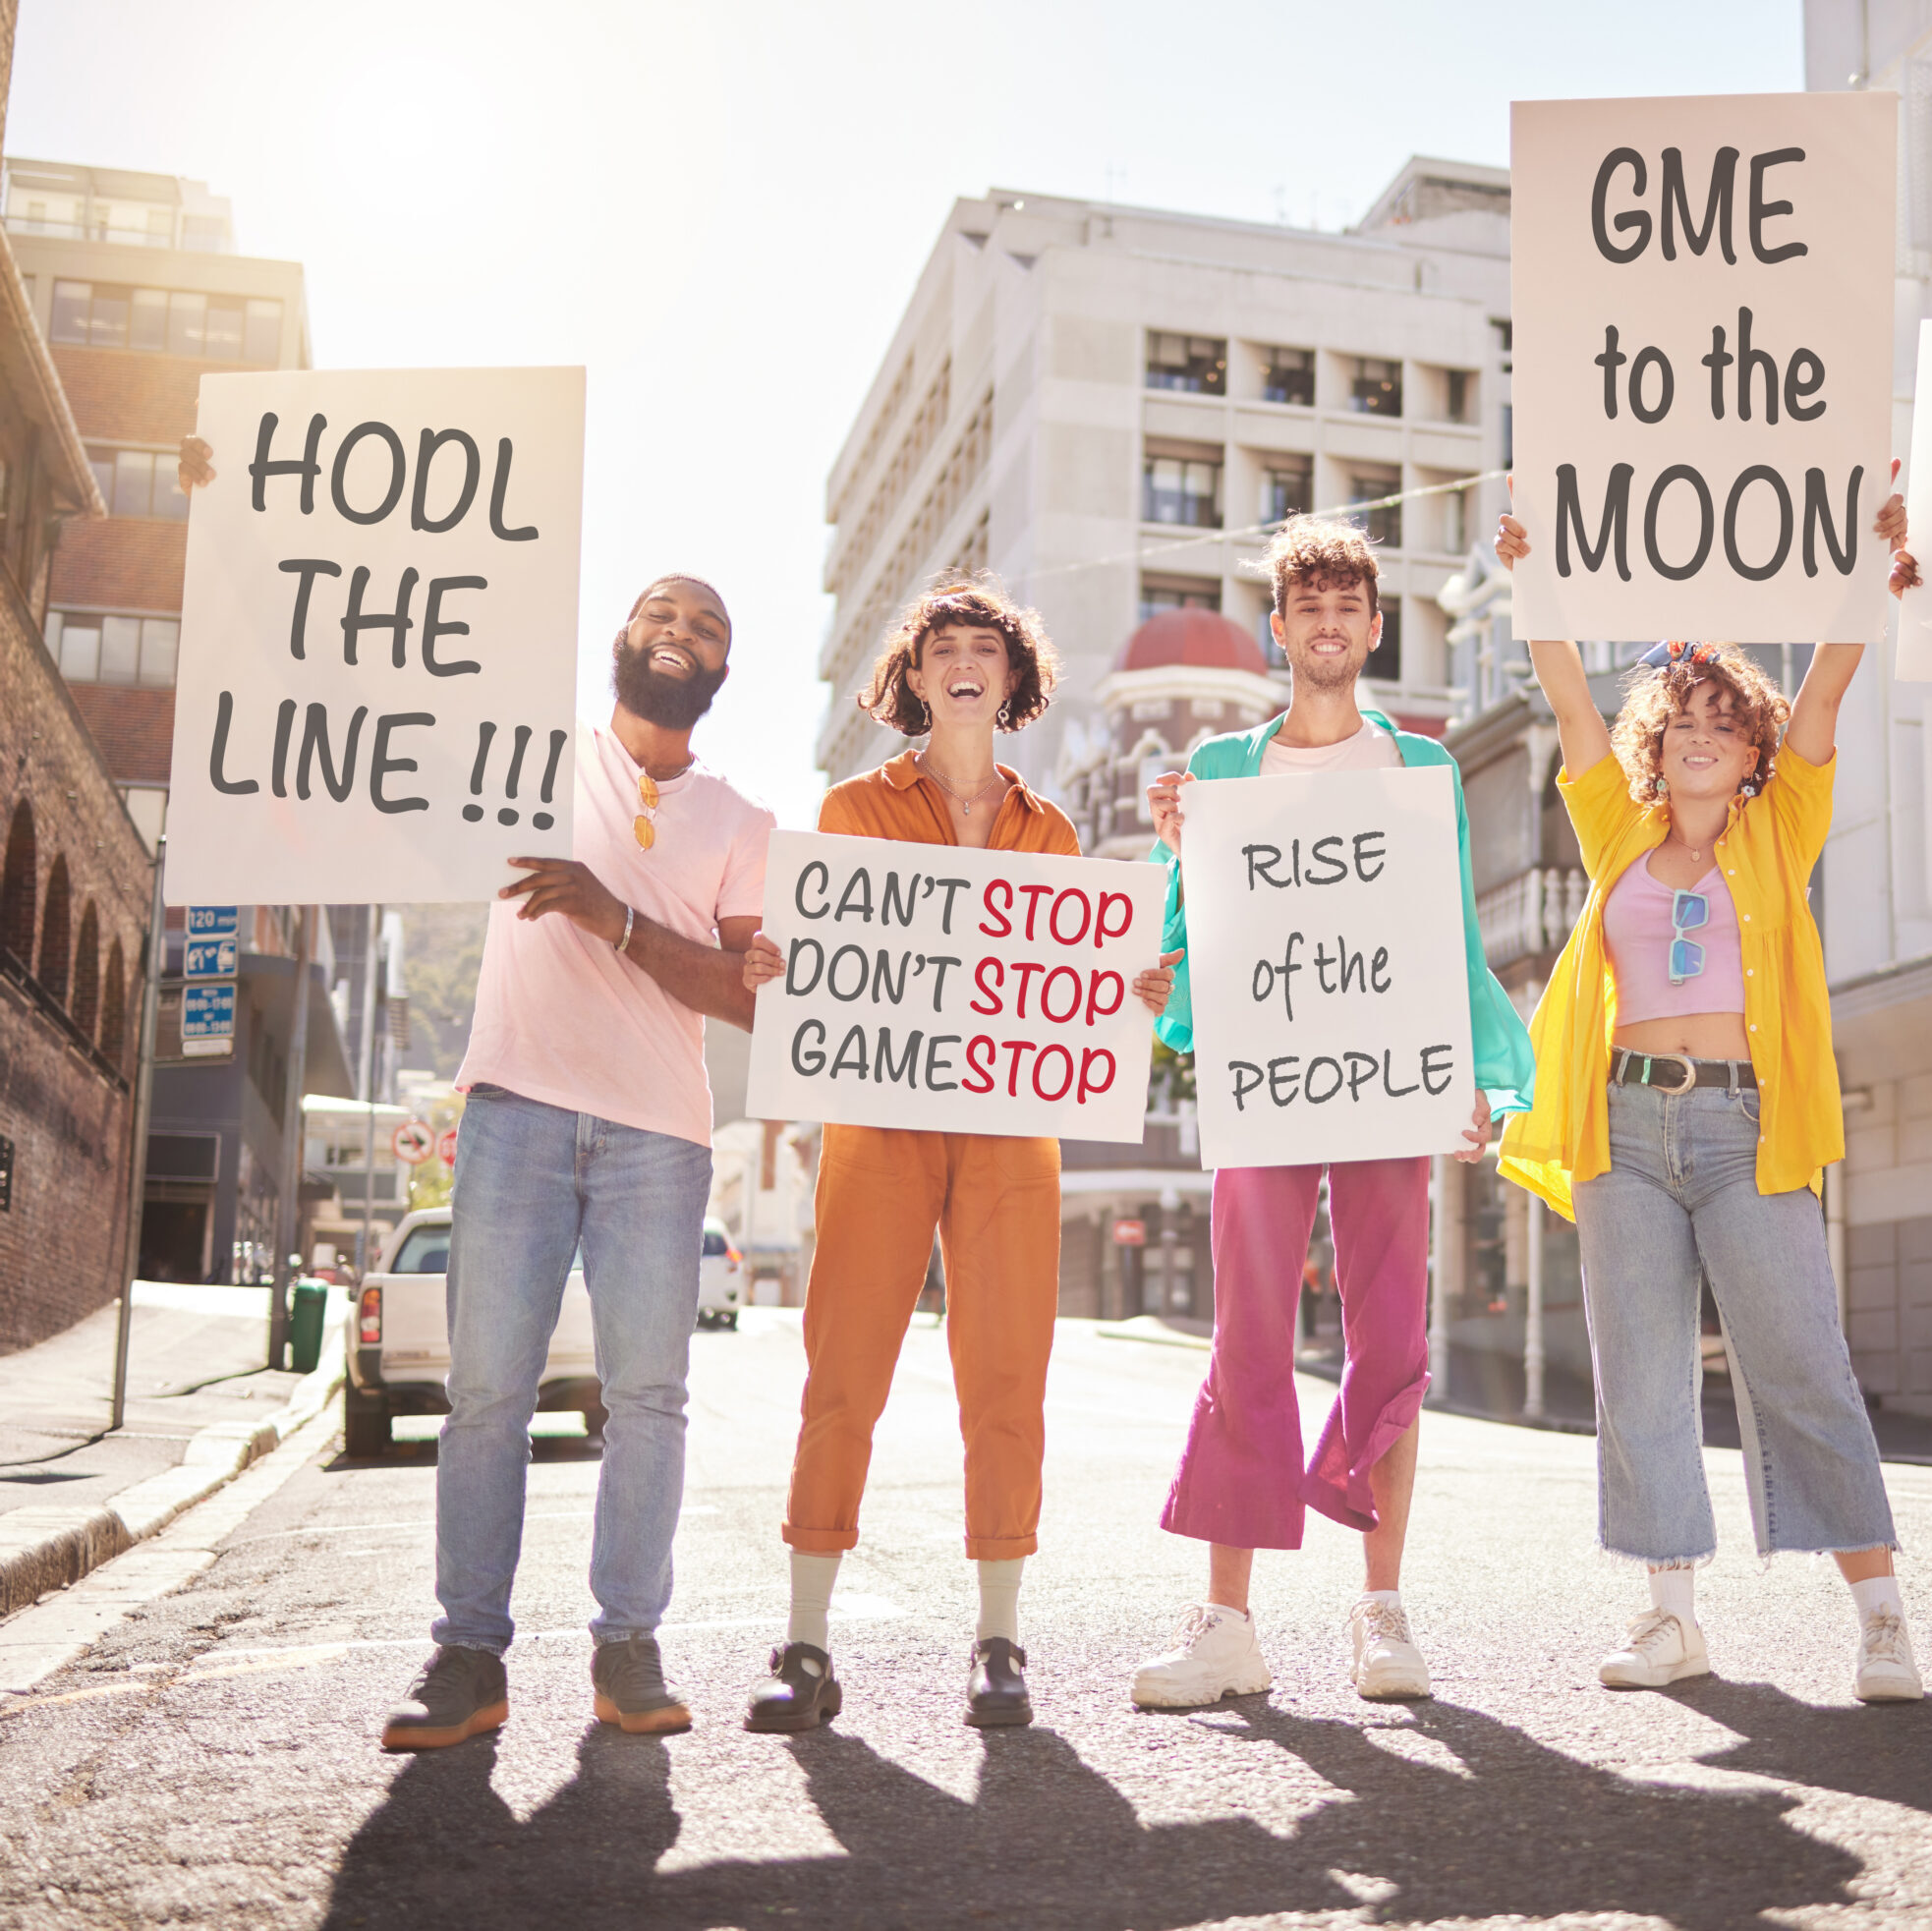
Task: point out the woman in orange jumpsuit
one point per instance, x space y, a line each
962 662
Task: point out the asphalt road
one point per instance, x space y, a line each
212 1761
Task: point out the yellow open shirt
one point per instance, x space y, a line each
1767 852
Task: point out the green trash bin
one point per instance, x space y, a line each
305 1324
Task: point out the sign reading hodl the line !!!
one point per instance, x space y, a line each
1701 295
952 990
378 638
1327 966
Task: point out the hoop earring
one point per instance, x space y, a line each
1005 719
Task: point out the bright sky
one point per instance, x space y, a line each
721 210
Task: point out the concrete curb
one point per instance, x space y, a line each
46 1549
1150 1328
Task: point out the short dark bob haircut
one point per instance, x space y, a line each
978 605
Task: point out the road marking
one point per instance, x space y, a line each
429 1523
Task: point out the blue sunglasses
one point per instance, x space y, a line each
1690 911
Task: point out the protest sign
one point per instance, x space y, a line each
1916 606
952 990
1325 955
1701 293
378 642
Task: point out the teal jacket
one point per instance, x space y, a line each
1505 1065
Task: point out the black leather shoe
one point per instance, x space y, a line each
995 1691
800 1694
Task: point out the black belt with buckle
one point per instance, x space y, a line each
1673 1072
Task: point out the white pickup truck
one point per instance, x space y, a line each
399 1352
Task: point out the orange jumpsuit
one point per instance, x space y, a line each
996 1202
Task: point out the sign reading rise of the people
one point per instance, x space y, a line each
1701 293
378 637
953 991
1325 955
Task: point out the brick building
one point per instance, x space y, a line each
137 291
74 883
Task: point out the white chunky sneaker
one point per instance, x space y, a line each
1214 1655
1887 1673
1387 1667
1658 1649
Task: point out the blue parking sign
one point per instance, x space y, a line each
208 1020
212 921
209 958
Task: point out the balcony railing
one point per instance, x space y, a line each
1533 912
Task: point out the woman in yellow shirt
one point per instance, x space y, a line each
1686 1103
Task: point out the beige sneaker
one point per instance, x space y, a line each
1215 1654
1387 1667
1887 1673
1658 1649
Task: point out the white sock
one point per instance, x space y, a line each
1878 1592
1240 1615
999 1599
1675 1591
813 1576
1389 1598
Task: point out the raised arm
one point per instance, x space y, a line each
1814 730
1559 670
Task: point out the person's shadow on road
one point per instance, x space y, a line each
1485 1822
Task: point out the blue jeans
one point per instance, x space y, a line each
531 1181
1680 1203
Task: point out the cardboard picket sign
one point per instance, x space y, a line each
951 991
1701 293
1325 948
1914 665
376 693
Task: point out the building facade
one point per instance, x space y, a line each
1111 407
75 880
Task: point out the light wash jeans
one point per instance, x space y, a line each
531 1181
1681 1201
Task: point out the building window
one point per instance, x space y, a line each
1456 522
1384 662
1378 387
138 483
176 323
1286 489
92 648
1178 594
1382 523
1179 489
1460 390
1195 363
1290 376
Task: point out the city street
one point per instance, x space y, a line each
213 1759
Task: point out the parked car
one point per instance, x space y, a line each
399 1355
721 1284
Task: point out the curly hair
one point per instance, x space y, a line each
1323 550
1653 696
982 604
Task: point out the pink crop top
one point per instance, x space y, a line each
1637 933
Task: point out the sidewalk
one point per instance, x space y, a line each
200 1409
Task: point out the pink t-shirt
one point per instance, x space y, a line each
560 1018
1638 934
1371 749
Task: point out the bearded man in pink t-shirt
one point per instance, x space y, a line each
590 1120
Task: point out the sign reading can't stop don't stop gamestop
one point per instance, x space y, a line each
1701 295
1326 957
952 990
378 642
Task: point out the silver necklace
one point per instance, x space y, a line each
966 800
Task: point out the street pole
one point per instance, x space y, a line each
292 1144
366 1083
1533 1317
143 1098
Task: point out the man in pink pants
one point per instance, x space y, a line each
1243 1483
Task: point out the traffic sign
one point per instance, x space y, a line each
1130 1233
413 1142
212 921
209 958
208 1021
446 1148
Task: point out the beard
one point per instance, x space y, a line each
1315 673
673 704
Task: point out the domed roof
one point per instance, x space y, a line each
1192 636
